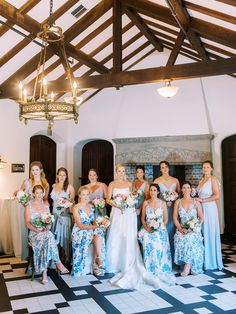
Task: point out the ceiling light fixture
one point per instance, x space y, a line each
43 105
168 90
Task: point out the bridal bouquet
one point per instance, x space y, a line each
170 196
43 221
132 199
99 204
155 222
63 203
194 192
193 224
120 201
22 197
103 221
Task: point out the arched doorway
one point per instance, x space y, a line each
98 154
43 148
229 183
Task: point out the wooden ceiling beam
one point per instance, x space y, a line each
183 20
117 36
32 26
204 29
176 49
26 7
229 2
209 12
144 29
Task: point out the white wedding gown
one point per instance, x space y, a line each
123 252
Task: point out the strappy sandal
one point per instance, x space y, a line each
185 271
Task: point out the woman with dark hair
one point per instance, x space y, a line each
40 237
168 183
97 189
188 218
63 195
141 186
154 237
209 193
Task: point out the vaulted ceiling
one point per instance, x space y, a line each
105 39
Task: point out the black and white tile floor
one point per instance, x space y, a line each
211 292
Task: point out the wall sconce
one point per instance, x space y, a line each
168 90
2 163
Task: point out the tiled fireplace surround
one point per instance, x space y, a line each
187 151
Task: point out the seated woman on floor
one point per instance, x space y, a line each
154 238
188 217
83 235
38 221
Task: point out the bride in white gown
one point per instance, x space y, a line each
123 252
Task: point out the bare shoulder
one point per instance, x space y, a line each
112 184
214 179
103 185
157 180
145 204
130 184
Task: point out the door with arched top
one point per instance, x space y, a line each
98 154
44 149
229 183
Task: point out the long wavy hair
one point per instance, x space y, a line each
42 174
66 183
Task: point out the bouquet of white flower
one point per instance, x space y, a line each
194 192
22 197
155 222
131 199
43 221
99 204
170 196
193 224
103 221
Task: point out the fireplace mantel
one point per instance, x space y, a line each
180 149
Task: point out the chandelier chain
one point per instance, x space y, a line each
50 13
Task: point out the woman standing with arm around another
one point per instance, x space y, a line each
37 177
62 192
168 183
142 187
209 193
189 248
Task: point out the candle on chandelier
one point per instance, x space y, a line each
52 96
20 91
45 87
25 95
74 92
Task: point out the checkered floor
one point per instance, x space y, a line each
212 292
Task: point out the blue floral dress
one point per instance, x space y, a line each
81 242
156 248
189 247
43 243
62 225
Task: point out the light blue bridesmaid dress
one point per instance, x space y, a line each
99 193
170 224
189 247
211 229
24 229
62 224
140 201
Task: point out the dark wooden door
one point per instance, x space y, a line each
43 148
229 183
98 154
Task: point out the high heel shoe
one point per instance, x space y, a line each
63 271
99 262
44 281
185 271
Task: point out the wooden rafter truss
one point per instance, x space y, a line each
154 27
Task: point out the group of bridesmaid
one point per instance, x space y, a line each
116 249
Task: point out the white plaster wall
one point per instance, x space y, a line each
14 145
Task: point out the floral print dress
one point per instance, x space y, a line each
156 248
43 243
189 246
81 242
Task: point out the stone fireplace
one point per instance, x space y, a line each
184 153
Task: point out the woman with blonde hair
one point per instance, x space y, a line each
83 235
